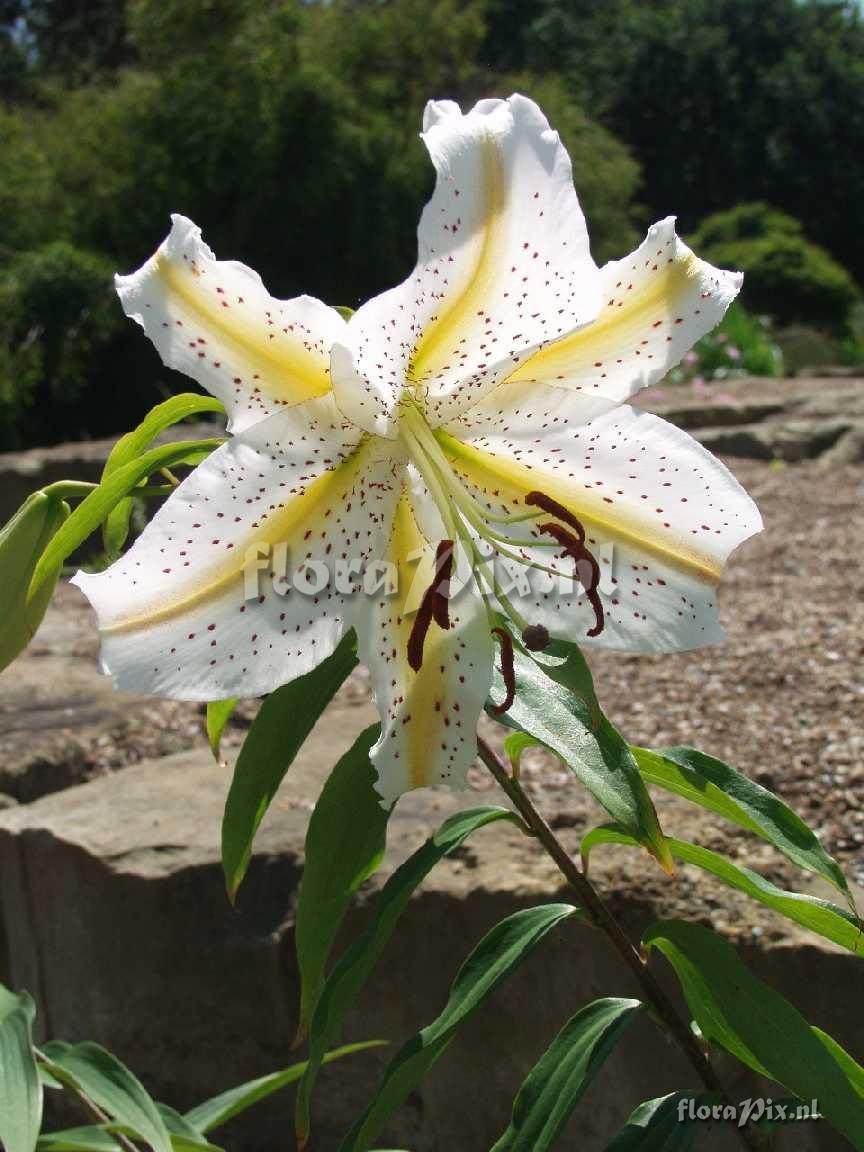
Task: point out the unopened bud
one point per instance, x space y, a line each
23 539
535 637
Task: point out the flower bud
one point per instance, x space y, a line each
23 539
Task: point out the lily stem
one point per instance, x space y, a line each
600 914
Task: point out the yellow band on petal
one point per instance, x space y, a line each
614 521
424 690
622 313
442 334
302 513
296 372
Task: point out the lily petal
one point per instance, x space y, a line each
429 717
215 321
202 606
503 267
661 514
657 302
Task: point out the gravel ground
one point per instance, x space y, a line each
781 699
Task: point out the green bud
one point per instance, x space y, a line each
22 541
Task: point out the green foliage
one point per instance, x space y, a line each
219 712
23 539
280 729
353 968
110 1085
555 704
497 956
721 101
820 916
345 844
58 322
713 785
784 274
559 1079
736 1010
655 1127
288 132
20 1087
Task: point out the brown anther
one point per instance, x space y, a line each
505 642
441 584
418 632
435 605
579 554
535 637
541 500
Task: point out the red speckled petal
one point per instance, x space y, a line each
215 321
429 718
657 302
184 614
503 267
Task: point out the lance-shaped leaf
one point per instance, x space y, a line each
345 843
760 1027
285 719
712 784
219 712
661 1125
20 1086
111 1086
559 1079
555 704
95 508
819 916
116 527
23 539
87 1138
497 956
354 966
224 1107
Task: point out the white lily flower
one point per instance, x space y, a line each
474 411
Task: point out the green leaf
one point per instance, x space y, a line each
498 954
659 1126
111 1085
91 512
23 539
758 1026
88 1138
219 712
345 844
224 1107
819 916
555 703
20 1086
286 718
515 743
720 789
116 527
170 412
352 969
344 311
559 1079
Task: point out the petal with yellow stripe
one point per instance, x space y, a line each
657 302
503 266
239 583
215 321
661 515
428 717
